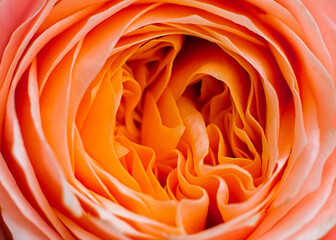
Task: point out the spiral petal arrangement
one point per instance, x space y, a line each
167 120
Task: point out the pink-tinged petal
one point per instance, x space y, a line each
13 14
18 216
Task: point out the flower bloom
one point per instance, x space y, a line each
167 119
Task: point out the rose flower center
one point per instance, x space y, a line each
173 107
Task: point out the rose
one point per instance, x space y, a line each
52 98
180 120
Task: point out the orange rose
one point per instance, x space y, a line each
168 119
